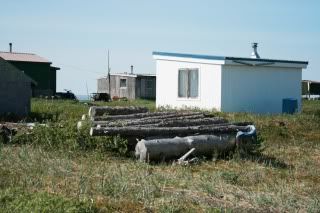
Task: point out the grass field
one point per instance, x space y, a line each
57 169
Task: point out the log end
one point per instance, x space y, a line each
90 112
245 140
91 131
141 151
79 125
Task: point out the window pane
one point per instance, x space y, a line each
193 83
123 82
182 83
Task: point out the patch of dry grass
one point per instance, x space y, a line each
284 177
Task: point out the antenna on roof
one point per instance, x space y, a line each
88 96
109 69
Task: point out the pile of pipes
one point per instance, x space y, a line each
169 134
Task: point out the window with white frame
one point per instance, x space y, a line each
188 83
123 82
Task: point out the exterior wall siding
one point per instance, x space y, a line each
146 87
228 85
137 87
103 85
42 74
53 80
259 89
116 90
15 98
209 93
15 90
129 90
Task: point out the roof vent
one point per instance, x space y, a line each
131 69
255 54
10 47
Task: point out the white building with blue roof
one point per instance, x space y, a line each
228 84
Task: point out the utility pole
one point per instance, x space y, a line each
109 69
87 91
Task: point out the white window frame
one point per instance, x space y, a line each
188 97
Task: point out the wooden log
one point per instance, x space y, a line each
147 116
168 148
199 122
169 122
143 132
171 148
246 141
79 125
107 110
131 116
179 115
184 122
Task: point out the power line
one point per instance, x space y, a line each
81 69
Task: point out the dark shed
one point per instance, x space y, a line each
37 68
15 90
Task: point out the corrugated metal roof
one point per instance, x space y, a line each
25 57
223 58
267 60
186 55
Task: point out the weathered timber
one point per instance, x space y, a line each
172 148
143 132
184 122
199 145
107 110
180 115
168 122
154 115
130 116
79 125
188 123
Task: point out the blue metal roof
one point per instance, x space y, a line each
182 55
209 57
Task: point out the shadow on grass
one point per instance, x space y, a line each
256 158
32 117
41 117
266 160
10 117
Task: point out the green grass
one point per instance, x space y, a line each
57 169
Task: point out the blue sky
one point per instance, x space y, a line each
76 34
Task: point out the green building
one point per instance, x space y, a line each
37 68
15 90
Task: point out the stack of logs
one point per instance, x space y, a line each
166 134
